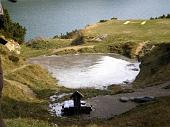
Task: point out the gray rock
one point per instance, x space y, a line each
124 99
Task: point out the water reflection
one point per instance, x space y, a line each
94 71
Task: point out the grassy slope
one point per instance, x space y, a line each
153 30
155 66
25 93
42 47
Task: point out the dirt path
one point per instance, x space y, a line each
19 68
109 106
72 47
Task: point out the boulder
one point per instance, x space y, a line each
124 99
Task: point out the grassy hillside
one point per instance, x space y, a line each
155 65
117 31
26 91
43 46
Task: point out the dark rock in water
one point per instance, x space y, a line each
135 69
143 99
131 65
166 87
126 82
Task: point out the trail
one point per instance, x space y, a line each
72 47
109 105
19 68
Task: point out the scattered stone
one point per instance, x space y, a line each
126 82
131 65
124 99
143 99
135 69
166 87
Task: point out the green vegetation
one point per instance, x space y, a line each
11 29
155 65
103 20
48 43
162 17
68 35
26 92
43 46
117 31
26 123
78 40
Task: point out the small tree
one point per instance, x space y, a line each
79 39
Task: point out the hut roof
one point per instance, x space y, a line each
77 93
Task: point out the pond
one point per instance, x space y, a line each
90 70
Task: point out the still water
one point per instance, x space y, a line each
89 70
46 18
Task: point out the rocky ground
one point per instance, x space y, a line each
110 105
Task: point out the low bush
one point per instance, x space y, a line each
79 39
103 20
13 57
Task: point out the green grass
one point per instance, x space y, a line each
19 122
43 47
153 30
35 78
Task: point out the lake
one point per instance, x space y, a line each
46 18
89 70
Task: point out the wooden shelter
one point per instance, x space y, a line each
77 96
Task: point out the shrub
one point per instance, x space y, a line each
68 35
78 40
3 50
13 57
113 18
103 20
161 17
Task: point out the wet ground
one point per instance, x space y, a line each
110 105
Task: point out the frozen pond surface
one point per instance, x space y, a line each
89 70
